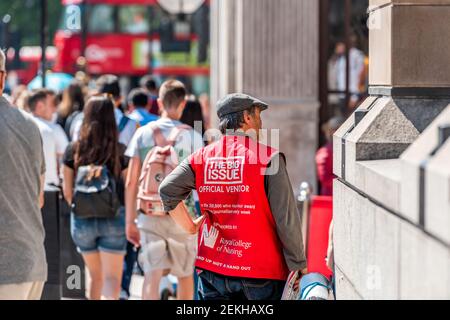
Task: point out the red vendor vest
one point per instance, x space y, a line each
238 237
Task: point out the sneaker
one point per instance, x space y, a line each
123 295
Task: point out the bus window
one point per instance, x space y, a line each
174 31
133 19
101 19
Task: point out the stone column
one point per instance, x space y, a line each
269 49
392 200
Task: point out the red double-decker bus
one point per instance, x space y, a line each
131 38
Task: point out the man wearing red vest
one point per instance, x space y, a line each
250 233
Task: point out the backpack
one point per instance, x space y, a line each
95 193
158 164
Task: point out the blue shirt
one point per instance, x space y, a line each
142 116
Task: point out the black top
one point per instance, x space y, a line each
69 161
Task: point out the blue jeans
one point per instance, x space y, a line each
212 286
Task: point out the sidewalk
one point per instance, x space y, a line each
136 287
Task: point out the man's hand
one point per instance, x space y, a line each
133 234
197 224
181 216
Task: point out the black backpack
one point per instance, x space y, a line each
95 193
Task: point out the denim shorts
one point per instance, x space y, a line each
99 234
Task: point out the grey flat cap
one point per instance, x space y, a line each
237 102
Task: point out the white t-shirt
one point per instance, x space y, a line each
54 142
124 136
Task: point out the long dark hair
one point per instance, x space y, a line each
72 100
98 141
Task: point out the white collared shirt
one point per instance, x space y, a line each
55 142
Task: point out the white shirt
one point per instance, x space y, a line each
124 136
54 142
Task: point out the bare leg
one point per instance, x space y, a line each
150 289
185 288
94 266
112 268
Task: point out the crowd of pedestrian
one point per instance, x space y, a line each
133 172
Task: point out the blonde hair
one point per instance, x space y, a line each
172 93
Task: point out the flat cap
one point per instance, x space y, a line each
237 102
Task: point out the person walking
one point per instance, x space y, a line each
148 83
165 247
250 235
137 103
192 115
93 169
339 80
109 85
324 157
23 266
53 136
71 106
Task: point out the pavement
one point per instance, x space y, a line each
136 287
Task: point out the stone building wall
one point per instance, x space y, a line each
269 49
392 159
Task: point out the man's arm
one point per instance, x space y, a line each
287 218
131 190
42 177
61 145
41 193
68 176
